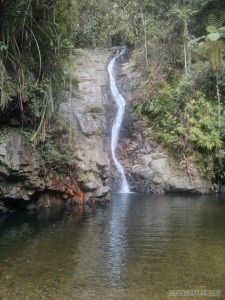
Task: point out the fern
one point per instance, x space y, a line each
214 22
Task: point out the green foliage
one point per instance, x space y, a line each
4 132
215 23
186 111
202 117
184 90
36 40
174 113
28 134
184 121
94 110
211 49
164 103
211 46
103 23
56 158
58 147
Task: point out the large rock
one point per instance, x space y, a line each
19 167
23 178
185 185
86 111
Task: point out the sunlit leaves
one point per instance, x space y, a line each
213 36
203 129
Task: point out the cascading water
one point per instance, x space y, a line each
120 101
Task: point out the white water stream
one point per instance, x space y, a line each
120 101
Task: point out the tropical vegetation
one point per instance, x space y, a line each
182 43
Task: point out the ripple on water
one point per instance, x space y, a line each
136 247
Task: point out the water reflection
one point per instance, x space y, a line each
117 240
136 247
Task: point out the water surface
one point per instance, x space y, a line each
136 247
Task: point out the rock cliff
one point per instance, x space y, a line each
149 168
85 109
26 182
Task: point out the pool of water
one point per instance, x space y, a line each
136 247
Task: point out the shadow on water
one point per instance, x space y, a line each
136 247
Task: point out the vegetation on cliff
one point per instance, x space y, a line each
183 50
182 58
183 94
36 43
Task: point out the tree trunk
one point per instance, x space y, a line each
185 37
219 102
145 37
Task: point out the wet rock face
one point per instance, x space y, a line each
19 168
26 182
23 179
86 111
148 167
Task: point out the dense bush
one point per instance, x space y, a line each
36 39
185 106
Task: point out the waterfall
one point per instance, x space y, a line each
120 101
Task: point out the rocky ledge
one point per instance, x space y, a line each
26 183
